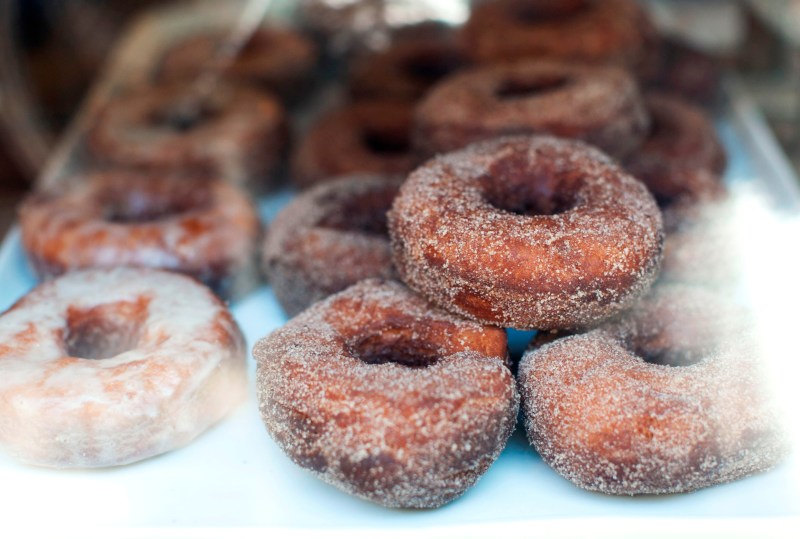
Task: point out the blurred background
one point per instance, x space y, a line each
50 51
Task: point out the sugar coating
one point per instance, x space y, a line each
315 248
240 134
559 271
610 421
397 435
182 371
615 32
599 105
682 158
212 234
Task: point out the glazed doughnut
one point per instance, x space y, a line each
595 32
278 59
599 105
406 70
385 397
204 228
235 133
369 137
526 232
681 159
328 238
108 367
658 402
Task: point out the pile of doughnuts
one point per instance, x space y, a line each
461 182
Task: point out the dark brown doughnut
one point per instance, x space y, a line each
688 73
204 228
599 105
330 237
526 232
236 133
682 158
386 397
614 32
369 137
407 69
666 400
278 59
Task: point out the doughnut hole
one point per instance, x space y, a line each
431 66
395 345
387 141
184 115
156 201
365 213
105 331
526 88
537 11
514 186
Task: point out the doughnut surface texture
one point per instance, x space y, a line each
666 400
526 232
108 367
385 397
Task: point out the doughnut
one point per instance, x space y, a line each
328 238
235 133
406 70
204 228
526 232
688 73
599 105
278 59
386 397
665 400
368 137
681 159
109 367
615 32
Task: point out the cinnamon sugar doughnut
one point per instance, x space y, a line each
407 69
368 137
278 59
204 228
681 158
108 367
600 105
328 238
610 410
385 397
235 133
526 232
595 32
688 73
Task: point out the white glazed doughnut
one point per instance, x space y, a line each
108 367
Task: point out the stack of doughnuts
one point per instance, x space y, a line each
509 174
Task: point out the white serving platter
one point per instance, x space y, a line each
233 481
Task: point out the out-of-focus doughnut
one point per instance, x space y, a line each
108 367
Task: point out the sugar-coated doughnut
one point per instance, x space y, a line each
386 397
108 367
204 228
682 158
328 238
367 137
599 105
236 133
277 58
526 232
615 32
667 399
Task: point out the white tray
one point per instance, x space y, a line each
235 478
